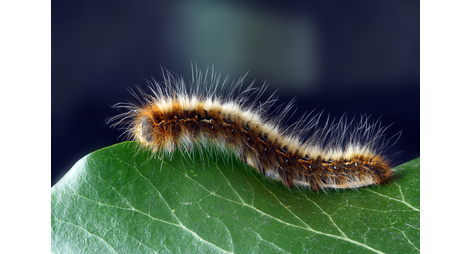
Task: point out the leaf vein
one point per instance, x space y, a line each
397 200
89 234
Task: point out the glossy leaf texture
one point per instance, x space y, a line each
119 200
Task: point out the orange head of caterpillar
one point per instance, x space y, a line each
150 133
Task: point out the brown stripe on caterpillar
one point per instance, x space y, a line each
337 155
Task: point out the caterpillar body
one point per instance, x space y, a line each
172 116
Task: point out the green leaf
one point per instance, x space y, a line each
118 200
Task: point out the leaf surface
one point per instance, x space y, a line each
118 200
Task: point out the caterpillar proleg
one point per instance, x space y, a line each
172 115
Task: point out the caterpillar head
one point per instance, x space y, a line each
150 134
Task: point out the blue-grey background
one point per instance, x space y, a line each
341 57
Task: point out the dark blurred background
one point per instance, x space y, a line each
352 57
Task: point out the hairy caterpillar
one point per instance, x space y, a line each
173 116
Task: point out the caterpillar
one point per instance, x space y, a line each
341 154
